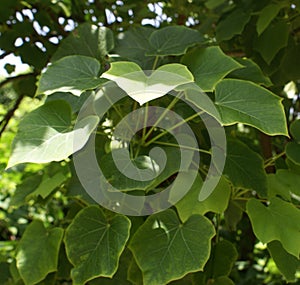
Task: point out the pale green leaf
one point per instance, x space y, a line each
209 65
46 134
279 221
94 243
232 25
286 263
74 74
142 88
38 252
166 250
88 40
266 16
272 40
173 40
244 102
245 168
217 202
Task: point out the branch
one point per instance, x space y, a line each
10 114
13 78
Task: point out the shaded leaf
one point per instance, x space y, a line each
251 72
295 130
244 102
209 65
286 263
173 40
88 40
46 134
74 74
272 40
232 25
171 249
267 223
94 243
245 168
292 150
266 16
38 252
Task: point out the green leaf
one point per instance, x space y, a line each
244 102
292 150
289 180
88 40
130 77
74 74
134 44
250 72
209 65
245 168
233 214
94 243
166 250
232 25
266 16
223 257
295 130
279 221
46 134
217 202
286 263
272 40
173 40
48 184
38 252
223 280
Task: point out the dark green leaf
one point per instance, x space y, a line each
165 249
292 150
38 252
94 243
245 168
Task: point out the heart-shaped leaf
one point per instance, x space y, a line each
38 252
171 249
143 88
94 243
267 223
209 65
74 74
46 134
240 101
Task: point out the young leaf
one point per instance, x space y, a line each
166 250
38 252
94 243
279 221
142 88
240 101
45 134
209 65
74 74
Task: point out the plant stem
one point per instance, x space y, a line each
155 62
